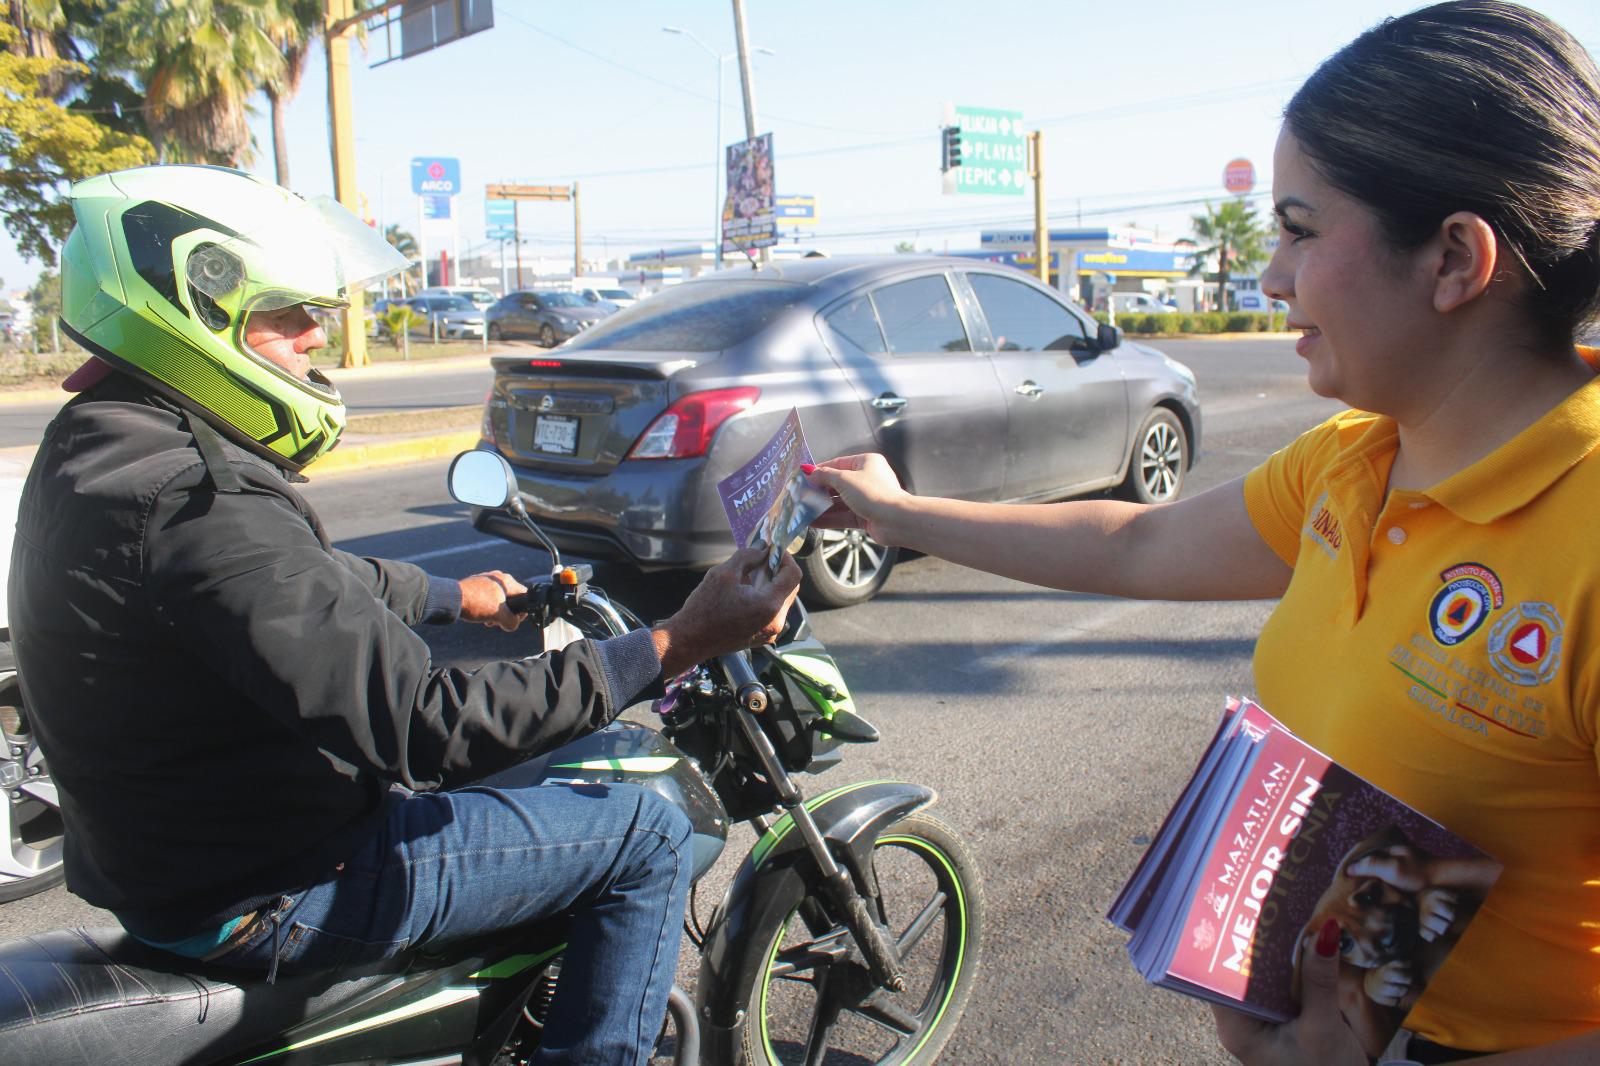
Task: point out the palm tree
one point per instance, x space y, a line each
293 32
1232 234
406 245
200 61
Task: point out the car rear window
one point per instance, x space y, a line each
853 328
698 316
920 316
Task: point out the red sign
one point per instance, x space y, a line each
1239 177
436 170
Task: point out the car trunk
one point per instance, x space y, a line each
580 416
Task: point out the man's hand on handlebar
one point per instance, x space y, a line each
483 599
738 605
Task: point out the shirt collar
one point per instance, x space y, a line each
1508 478
1512 475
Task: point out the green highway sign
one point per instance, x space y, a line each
993 152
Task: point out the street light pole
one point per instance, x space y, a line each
716 155
717 167
719 164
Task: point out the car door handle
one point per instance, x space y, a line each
889 402
1029 389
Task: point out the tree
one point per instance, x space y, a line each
45 296
200 62
1232 234
293 31
44 145
69 29
406 245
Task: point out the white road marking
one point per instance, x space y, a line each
494 542
1091 621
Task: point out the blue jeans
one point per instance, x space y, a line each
453 865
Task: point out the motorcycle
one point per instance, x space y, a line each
30 811
851 932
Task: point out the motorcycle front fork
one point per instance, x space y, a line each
883 958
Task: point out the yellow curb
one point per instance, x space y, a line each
351 457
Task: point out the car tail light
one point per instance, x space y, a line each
487 430
685 429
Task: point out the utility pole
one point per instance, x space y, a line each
747 86
339 22
1041 231
516 237
577 235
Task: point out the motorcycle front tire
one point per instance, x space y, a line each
930 889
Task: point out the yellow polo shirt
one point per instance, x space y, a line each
1445 645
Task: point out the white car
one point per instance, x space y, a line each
481 298
1259 301
620 298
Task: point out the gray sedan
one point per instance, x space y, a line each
548 317
974 380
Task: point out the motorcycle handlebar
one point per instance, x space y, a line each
751 693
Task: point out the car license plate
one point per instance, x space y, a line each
557 434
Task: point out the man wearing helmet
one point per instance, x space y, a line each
227 700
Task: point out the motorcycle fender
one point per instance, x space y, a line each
850 819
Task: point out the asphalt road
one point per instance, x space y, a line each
1057 728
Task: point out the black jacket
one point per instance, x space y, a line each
223 696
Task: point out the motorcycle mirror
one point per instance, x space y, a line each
482 479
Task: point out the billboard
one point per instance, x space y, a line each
797 210
418 26
748 214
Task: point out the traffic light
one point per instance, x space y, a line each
950 158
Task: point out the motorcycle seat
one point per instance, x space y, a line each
99 995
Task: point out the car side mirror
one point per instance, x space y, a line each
1107 337
482 479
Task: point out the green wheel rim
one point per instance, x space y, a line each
951 983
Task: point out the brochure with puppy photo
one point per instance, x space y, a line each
1268 841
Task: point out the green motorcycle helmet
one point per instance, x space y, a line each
164 269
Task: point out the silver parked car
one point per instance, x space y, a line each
972 379
452 317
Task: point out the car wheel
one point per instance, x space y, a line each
495 334
845 567
1160 457
547 336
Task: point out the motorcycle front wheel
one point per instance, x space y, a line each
812 1000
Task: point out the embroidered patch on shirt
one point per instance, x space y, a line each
1470 592
1323 529
1525 645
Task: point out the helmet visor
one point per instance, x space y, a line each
307 251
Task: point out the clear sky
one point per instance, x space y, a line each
1141 106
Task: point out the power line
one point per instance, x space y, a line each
667 84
